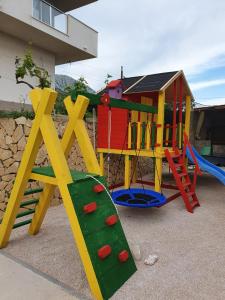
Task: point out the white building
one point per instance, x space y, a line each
54 36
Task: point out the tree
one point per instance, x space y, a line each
80 86
25 66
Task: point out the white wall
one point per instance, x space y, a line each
11 47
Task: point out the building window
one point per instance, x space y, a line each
46 12
50 15
36 9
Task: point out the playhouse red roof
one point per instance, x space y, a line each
114 83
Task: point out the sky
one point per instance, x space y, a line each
149 36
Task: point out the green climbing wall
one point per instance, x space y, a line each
110 271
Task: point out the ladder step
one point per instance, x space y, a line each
182 174
29 202
190 194
175 156
178 165
194 203
28 212
20 224
25 213
33 191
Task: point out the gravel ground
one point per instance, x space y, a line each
190 247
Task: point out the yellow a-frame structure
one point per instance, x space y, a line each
77 191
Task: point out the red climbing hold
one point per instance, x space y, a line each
111 220
104 252
98 188
89 208
123 256
105 99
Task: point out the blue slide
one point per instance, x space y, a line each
206 166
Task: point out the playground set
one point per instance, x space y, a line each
133 134
130 125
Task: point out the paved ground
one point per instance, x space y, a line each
191 249
20 282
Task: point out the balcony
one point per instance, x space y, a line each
39 23
50 15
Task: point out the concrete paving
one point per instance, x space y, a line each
18 282
190 247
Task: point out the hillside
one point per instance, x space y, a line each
62 81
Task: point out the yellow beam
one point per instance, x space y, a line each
134 116
43 178
159 140
148 135
143 152
144 115
138 135
188 115
134 169
158 174
160 120
129 135
127 172
41 208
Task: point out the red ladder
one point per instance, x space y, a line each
177 163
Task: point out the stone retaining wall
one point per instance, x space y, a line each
13 137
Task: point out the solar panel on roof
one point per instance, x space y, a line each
151 83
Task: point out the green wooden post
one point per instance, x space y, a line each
143 125
153 135
134 135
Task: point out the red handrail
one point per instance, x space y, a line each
188 144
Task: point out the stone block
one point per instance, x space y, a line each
8 124
28 123
26 130
2 185
13 168
2 171
2 139
17 135
18 156
8 162
5 154
8 177
21 121
2 208
22 143
13 148
9 187
2 196
8 140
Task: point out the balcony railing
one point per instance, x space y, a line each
50 15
